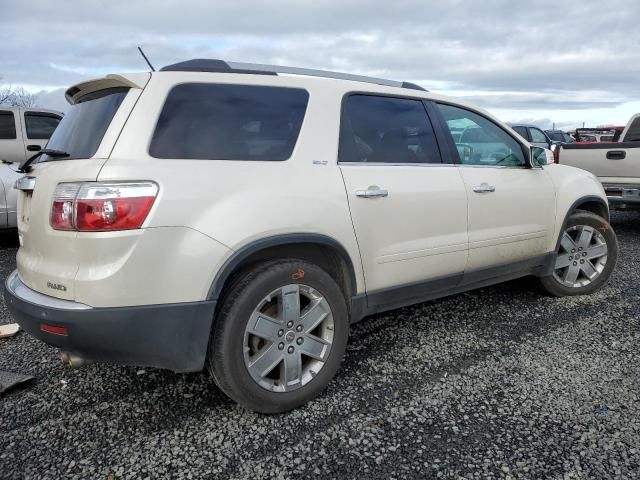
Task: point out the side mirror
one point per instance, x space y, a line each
541 156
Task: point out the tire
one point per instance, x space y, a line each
578 254
252 323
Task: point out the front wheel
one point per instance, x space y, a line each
279 337
585 258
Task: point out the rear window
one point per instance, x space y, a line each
40 126
84 125
7 126
229 122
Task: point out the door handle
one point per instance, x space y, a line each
34 148
616 154
372 192
484 188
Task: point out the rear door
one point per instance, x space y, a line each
48 258
37 129
409 209
511 206
613 162
11 145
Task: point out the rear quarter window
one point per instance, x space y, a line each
229 122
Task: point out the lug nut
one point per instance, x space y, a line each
573 250
584 254
570 258
580 249
280 333
575 263
300 341
290 349
289 324
581 261
280 346
299 328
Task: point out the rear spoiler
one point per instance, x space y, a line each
131 80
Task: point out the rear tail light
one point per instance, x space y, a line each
100 207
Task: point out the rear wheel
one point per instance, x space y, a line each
279 337
586 256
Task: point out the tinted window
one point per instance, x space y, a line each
386 130
633 134
556 136
522 131
537 136
229 122
81 130
482 142
40 126
7 126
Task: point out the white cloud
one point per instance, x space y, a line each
542 61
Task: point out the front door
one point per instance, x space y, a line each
511 206
409 210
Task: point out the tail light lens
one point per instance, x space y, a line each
99 207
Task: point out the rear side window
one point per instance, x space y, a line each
40 126
377 129
537 136
229 122
82 128
522 131
7 126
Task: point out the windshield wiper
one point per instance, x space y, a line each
26 166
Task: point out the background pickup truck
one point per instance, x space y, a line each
23 132
616 164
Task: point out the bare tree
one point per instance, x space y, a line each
16 97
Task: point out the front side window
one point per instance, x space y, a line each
379 129
556 136
482 142
203 121
537 136
7 126
82 128
40 126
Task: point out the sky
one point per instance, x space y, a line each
539 61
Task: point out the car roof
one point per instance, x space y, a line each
30 109
528 125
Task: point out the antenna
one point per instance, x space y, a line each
146 59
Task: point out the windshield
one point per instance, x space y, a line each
83 126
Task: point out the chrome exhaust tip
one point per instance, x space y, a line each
71 360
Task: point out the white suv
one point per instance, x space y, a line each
239 217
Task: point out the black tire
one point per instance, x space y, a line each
553 286
226 362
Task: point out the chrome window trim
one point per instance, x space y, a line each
391 164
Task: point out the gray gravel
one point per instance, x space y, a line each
497 383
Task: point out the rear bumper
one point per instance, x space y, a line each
172 336
623 196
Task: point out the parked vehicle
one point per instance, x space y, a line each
24 131
559 137
534 135
224 216
615 163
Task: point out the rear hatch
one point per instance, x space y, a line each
48 259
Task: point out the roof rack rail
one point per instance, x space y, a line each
220 66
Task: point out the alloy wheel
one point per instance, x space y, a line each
288 338
581 257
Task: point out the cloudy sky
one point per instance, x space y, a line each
538 61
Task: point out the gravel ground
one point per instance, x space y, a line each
497 383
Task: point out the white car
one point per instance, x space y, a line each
23 132
239 217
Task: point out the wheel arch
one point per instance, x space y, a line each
319 249
589 203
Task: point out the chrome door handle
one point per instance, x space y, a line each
372 193
484 188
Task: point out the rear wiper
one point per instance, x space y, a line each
26 166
